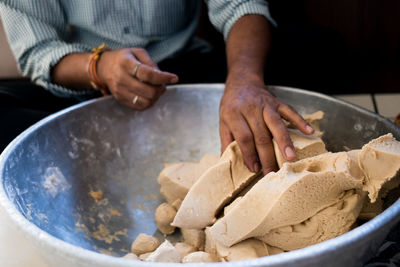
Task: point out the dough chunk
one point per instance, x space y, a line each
177 178
144 256
194 237
166 252
177 203
164 216
292 195
380 162
131 256
274 250
184 249
305 145
247 249
144 243
326 224
217 186
314 119
198 256
232 205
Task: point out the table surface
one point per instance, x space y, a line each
15 251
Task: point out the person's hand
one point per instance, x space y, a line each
252 116
138 89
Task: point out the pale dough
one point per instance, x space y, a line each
176 178
131 256
144 243
308 194
292 195
194 237
304 145
326 224
166 252
380 161
318 196
184 248
198 256
217 186
247 249
164 215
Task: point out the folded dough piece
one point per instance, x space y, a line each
304 188
247 249
166 252
380 162
217 186
314 119
194 237
326 224
177 178
292 195
305 145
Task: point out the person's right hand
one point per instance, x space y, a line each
116 69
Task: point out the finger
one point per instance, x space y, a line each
289 114
263 142
144 57
134 101
244 137
155 76
225 136
280 133
151 92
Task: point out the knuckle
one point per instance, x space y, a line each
140 50
284 139
245 138
263 140
152 93
117 96
275 117
147 76
227 110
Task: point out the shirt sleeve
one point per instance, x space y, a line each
223 14
36 31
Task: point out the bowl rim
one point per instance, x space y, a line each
53 244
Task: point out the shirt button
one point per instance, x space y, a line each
127 30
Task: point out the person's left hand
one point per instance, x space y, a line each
252 116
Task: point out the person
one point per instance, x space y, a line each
53 41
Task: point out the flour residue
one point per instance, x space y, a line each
55 182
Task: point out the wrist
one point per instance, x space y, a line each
96 82
244 76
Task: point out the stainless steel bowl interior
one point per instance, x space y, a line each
48 172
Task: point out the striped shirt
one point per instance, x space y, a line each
42 32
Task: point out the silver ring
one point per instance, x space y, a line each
135 70
135 99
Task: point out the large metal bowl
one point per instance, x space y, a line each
49 170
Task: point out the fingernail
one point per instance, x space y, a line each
256 167
309 129
174 80
290 154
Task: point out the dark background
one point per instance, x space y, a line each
332 46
